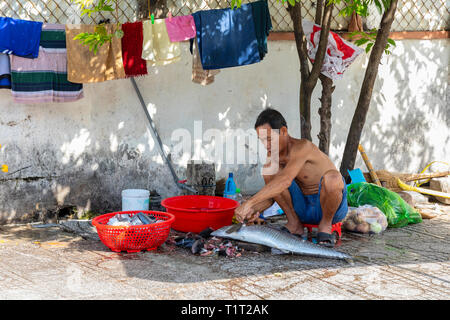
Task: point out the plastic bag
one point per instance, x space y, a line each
365 219
396 210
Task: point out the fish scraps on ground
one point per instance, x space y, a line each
205 245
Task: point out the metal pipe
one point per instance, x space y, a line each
158 139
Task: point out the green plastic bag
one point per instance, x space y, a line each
397 211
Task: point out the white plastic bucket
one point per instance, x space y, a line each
135 199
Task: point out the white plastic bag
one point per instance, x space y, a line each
365 219
339 55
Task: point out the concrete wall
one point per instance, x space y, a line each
85 153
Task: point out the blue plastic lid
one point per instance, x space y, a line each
230 175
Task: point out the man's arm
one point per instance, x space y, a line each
261 206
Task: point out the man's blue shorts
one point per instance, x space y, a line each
308 207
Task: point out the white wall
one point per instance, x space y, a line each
85 153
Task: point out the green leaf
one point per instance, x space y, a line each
291 2
369 46
86 11
391 42
360 42
119 33
386 3
107 8
378 5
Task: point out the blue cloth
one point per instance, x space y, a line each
263 24
226 37
308 207
20 37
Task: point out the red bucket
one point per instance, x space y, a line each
196 213
134 238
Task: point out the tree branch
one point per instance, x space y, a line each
300 39
321 50
319 9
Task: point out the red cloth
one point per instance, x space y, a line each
132 49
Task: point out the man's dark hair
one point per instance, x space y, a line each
271 117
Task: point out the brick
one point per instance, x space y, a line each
443 185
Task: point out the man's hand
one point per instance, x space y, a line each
246 211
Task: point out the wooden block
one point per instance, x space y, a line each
253 247
443 185
413 198
202 177
427 213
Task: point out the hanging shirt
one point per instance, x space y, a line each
263 24
44 79
132 49
339 54
20 37
157 49
83 66
226 37
180 28
5 72
200 75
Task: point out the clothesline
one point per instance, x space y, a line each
46 64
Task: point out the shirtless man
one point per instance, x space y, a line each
307 186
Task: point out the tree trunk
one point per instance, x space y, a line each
325 114
305 97
308 77
157 7
327 91
359 118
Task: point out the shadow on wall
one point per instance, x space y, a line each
409 100
89 183
71 161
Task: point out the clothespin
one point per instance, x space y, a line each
170 15
152 16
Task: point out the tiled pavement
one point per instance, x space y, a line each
408 263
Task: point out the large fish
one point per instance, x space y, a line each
281 240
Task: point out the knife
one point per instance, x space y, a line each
236 227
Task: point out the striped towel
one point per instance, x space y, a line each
44 79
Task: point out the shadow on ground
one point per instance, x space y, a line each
427 242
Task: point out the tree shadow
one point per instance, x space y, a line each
407 247
408 118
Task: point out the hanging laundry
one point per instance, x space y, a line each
200 75
132 49
83 66
53 36
44 79
180 28
226 38
5 72
157 48
339 54
20 37
263 24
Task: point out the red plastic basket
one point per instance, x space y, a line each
196 213
134 238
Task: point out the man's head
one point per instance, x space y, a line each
271 128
